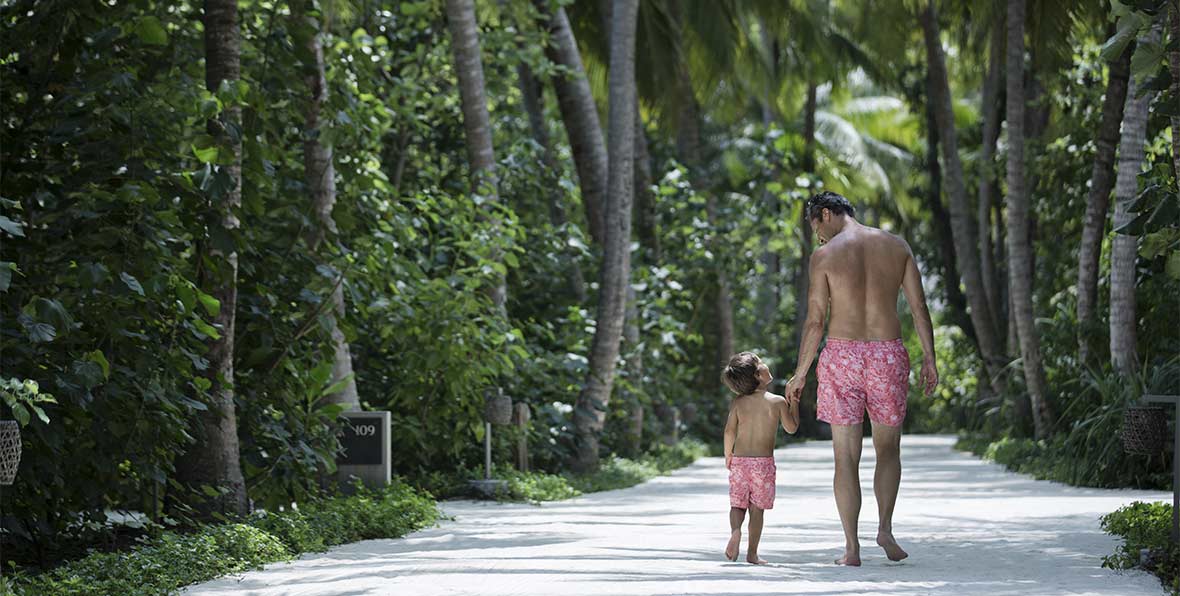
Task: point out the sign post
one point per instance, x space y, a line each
1175 401
367 448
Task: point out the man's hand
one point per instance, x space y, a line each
794 388
728 461
929 375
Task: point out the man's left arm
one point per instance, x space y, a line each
911 285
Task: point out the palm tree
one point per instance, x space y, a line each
213 459
590 411
478 132
321 182
1125 246
1098 199
580 115
990 105
966 255
1020 279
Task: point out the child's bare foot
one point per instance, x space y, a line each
850 559
731 549
755 560
892 550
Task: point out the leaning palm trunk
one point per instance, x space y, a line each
802 279
533 95
478 132
321 181
1174 66
213 460
1124 247
580 115
1098 199
962 222
1020 278
991 132
590 412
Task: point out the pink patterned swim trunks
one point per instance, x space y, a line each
855 374
751 480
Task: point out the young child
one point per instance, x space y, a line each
754 417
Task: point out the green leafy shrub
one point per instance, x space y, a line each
163 564
1144 526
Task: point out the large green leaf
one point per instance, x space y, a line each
150 31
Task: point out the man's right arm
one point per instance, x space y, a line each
818 295
911 285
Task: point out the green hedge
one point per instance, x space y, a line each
172 560
1144 526
1062 459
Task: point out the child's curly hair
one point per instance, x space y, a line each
741 375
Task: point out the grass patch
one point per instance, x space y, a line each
171 560
1144 526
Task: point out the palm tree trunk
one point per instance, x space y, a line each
940 221
991 132
1098 200
213 460
321 181
962 221
534 97
1124 247
647 218
1174 66
590 412
580 115
477 130
1020 278
802 281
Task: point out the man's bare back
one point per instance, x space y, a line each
864 268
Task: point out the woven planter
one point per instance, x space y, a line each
9 450
1145 430
498 409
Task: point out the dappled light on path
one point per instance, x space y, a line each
970 527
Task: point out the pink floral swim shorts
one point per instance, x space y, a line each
854 375
751 480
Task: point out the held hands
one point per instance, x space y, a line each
929 375
794 389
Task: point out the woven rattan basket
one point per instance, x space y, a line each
9 450
1145 430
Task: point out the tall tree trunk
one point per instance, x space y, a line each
647 218
689 143
580 115
1098 200
477 130
802 280
590 412
534 100
1174 66
321 182
1020 275
991 132
770 293
213 460
644 214
1124 247
962 221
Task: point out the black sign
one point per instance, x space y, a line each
362 440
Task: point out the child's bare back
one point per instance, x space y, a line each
757 417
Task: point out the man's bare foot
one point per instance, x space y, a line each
755 560
731 549
849 559
892 550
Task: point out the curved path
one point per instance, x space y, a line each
971 528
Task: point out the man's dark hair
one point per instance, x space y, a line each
829 200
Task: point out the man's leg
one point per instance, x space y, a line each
846 442
736 517
886 480
755 535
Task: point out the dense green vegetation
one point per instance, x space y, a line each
224 223
1145 526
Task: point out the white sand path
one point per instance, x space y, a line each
971 528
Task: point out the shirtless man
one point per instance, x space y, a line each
857 273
